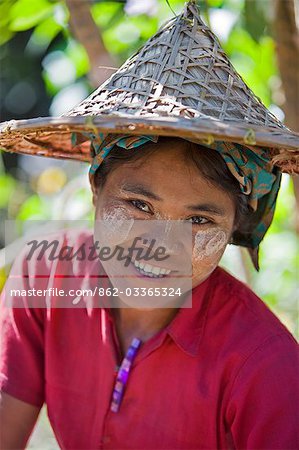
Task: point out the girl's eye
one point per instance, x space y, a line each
142 206
198 220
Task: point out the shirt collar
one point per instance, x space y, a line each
187 327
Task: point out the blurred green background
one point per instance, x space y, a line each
45 71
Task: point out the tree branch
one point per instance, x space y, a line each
286 33
87 33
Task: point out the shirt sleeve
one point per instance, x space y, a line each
22 340
263 409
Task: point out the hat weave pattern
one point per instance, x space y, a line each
181 71
181 83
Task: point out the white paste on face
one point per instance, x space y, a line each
159 216
115 226
167 233
208 243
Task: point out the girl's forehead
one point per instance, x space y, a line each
162 168
161 157
166 167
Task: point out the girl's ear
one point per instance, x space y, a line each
94 190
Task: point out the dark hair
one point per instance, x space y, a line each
210 164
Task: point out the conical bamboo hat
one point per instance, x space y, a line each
181 83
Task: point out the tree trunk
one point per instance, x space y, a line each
87 33
286 31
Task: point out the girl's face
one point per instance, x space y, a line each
166 186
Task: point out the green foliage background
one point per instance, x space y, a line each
42 64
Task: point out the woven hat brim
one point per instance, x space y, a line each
51 137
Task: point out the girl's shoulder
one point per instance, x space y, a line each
46 263
65 246
236 314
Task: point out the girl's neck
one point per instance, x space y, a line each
143 324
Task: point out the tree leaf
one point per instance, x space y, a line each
7 186
33 208
44 33
25 14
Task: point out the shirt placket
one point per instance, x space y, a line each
142 351
104 438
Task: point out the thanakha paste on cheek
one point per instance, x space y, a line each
115 225
208 243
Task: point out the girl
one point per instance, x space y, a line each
217 375
220 374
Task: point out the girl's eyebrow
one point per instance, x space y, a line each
208 207
146 192
139 189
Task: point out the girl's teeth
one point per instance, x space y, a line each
151 271
147 268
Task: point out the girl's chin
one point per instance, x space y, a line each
200 277
139 291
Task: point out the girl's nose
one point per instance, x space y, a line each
174 236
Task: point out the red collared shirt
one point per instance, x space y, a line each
221 375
